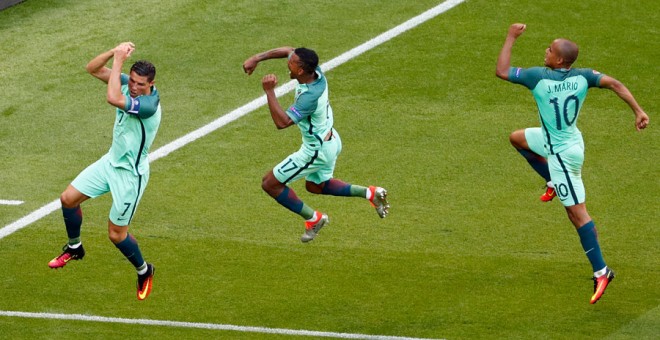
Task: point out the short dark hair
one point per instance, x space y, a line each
308 59
569 51
145 69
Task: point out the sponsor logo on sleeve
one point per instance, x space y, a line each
518 72
296 112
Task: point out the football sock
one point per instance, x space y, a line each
337 187
129 247
73 222
589 240
290 200
600 272
538 163
142 269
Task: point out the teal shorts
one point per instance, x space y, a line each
565 167
315 166
126 189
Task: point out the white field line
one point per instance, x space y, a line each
210 326
249 107
10 202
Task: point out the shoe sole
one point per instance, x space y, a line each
380 202
65 263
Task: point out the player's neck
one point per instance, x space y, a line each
307 78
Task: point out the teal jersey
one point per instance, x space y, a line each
559 96
311 111
134 131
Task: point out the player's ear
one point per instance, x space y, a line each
560 61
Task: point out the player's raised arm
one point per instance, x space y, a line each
114 95
641 118
277 113
251 63
96 66
504 60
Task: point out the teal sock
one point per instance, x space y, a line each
129 247
336 187
589 240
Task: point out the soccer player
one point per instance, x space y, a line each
321 144
556 149
124 170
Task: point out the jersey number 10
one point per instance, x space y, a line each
555 102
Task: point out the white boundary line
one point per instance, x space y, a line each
249 107
211 326
10 202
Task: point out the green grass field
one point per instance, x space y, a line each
468 251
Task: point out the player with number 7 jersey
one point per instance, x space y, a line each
124 170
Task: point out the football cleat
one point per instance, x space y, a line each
68 255
379 200
549 194
145 282
600 284
312 228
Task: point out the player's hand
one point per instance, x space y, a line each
269 82
123 51
129 46
641 120
250 64
516 30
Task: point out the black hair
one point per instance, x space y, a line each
145 69
308 59
568 50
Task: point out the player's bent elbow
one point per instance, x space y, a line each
90 68
283 124
502 75
116 102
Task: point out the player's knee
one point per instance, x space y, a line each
67 200
271 185
264 184
117 234
578 215
517 138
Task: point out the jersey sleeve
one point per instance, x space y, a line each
142 106
592 76
303 107
124 79
527 77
